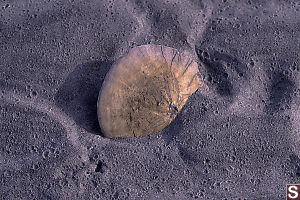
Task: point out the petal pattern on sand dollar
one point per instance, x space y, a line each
145 89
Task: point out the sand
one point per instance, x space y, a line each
239 140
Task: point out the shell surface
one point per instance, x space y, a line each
144 91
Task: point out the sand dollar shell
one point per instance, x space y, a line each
144 91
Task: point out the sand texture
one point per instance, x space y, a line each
238 140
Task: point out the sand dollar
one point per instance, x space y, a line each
145 89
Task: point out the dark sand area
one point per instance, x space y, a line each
239 140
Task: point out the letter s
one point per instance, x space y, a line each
290 189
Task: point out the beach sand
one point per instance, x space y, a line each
238 140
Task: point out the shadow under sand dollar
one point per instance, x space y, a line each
78 95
